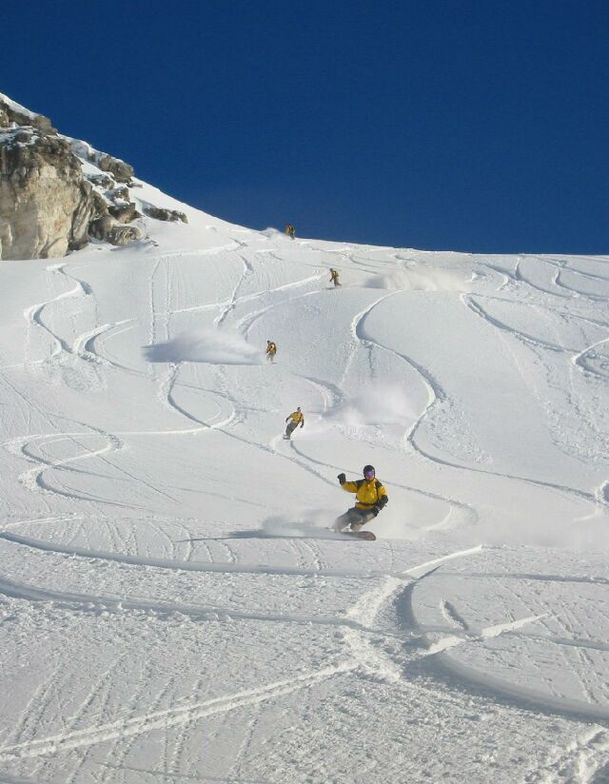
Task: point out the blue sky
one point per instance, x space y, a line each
479 126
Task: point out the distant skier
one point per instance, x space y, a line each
334 277
370 498
295 418
271 350
290 230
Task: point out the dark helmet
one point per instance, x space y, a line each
368 469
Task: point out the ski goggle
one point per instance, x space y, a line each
369 474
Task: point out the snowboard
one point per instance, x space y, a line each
367 535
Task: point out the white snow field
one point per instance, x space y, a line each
174 606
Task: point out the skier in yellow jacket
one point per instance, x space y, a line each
370 498
295 418
271 350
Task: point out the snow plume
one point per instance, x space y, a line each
272 233
376 404
205 345
315 523
541 529
415 280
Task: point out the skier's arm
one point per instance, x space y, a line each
302 422
350 487
383 499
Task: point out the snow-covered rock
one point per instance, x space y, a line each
55 191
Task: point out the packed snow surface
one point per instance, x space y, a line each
174 604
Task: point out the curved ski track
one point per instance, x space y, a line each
357 626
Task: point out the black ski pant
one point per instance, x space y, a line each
291 428
354 518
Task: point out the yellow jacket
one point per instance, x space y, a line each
367 492
296 416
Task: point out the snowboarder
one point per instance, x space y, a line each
334 277
290 230
370 498
295 418
271 350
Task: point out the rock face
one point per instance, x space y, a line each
45 203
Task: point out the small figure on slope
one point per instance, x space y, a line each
290 230
334 277
271 350
370 498
295 418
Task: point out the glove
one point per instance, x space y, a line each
342 478
379 504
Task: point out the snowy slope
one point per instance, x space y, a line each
174 606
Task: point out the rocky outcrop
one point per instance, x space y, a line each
160 213
110 230
125 213
46 205
121 171
120 194
101 180
12 114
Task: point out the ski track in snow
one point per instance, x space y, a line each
33 479
165 719
584 761
33 314
489 632
364 655
436 393
83 348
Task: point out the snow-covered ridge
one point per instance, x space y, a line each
16 107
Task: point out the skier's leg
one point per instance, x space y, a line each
363 516
344 520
